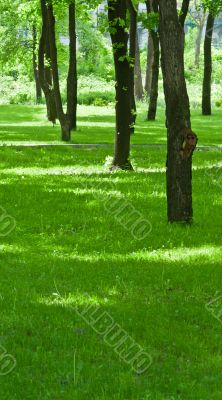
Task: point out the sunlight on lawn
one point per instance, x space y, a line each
183 254
72 299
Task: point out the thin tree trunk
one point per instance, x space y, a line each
179 161
72 74
155 79
51 104
138 72
117 20
55 73
198 41
68 120
152 109
132 55
46 84
152 6
206 96
149 64
35 68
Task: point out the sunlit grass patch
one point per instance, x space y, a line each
68 250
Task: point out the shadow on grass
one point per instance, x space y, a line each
66 243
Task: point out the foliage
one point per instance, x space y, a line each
91 90
213 6
94 56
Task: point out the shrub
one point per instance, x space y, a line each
95 98
219 103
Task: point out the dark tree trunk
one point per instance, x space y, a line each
117 15
132 55
151 116
43 70
50 101
68 120
55 73
35 68
183 12
206 96
138 72
72 74
155 78
179 166
149 64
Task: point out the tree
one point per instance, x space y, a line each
198 16
131 60
19 39
35 67
138 72
153 21
67 120
213 7
44 66
206 94
179 134
149 63
117 16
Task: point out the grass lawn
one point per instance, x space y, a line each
96 125
68 242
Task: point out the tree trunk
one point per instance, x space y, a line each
179 164
138 72
149 64
43 70
198 41
72 74
155 79
55 73
151 116
50 101
68 120
35 67
132 56
206 96
117 21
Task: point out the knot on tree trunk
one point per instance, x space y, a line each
189 142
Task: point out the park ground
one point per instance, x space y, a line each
67 244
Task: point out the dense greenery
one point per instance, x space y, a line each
96 79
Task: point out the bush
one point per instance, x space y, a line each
219 103
16 91
95 98
96 91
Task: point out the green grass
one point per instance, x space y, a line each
97 125
66 243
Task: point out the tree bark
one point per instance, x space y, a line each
138 72
206 96
68 120
132 57
72 74
119 36
198 41
55 73
35 67
183 12
44 70
152 109
179 167
149 63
